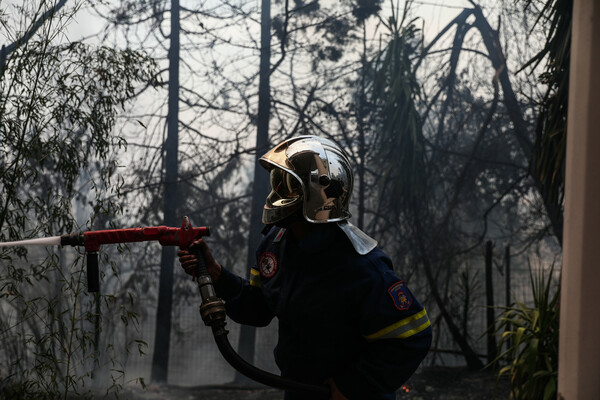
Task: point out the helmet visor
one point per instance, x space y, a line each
287 188
285 197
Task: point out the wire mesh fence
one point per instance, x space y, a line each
194 359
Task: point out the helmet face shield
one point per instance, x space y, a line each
285 197
288 188
311 172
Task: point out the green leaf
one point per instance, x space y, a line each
550 389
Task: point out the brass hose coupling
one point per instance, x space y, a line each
212 311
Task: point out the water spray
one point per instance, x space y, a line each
48 241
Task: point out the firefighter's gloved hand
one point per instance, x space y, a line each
190 261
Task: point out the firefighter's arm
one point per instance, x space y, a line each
398 335
245 303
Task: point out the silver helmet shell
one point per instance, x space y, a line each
323 173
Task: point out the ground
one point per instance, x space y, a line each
431 383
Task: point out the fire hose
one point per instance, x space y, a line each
212 308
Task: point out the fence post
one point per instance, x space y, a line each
489 291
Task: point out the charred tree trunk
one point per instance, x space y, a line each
362 146
160 356
260 185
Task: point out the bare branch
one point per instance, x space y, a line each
6 51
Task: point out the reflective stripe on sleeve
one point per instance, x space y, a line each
403 328
255 277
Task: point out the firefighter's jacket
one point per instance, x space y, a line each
341 315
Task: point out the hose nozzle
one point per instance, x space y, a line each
72 239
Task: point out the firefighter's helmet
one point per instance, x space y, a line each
308 173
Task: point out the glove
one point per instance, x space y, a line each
189 261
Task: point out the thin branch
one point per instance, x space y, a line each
6 51
284 35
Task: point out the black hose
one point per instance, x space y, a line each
257 374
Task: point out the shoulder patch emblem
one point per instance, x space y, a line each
400 295
267 264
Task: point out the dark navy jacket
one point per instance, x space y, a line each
341 315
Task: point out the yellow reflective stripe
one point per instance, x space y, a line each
415 331
403 328
255 283
255 277
395 326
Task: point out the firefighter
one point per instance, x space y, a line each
345 318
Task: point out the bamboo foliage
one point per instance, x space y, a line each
59 101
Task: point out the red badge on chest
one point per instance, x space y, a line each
400 295
267 264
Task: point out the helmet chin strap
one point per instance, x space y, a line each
288 221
